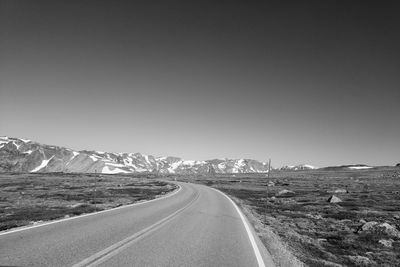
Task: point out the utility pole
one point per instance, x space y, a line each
95 189
269 167
266 194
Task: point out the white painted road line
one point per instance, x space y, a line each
88 214
116 248
260 260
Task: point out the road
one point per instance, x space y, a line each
195 226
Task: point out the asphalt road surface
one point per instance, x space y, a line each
195 226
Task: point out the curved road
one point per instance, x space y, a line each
196 226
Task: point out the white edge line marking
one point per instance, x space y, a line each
260 260
89 214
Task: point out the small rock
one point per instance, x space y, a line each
285 192
386 242
77 205
362 221
397 217
334 199
312 216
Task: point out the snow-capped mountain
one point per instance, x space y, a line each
22 155
299 167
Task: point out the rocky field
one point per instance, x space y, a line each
32 198
324 218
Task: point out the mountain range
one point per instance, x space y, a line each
22 155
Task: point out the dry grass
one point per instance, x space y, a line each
29 198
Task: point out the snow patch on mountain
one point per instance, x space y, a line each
94 158
114 164
74 154
3 141
42 165
298 167
107 170
20 156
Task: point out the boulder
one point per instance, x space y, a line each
334 199
390 230
386 242
367 226
386 228
361 261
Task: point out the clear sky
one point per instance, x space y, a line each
313 82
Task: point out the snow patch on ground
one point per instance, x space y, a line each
28 152
42 165
308 166
25 140
359 167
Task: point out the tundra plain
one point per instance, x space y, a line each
292 215
27 199
329 217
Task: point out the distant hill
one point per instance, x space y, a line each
348 167
21 155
